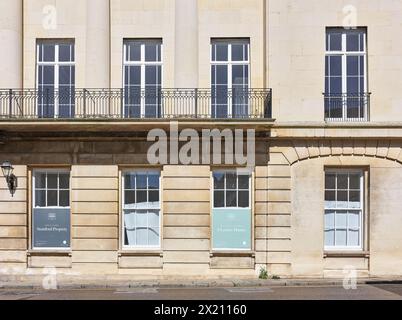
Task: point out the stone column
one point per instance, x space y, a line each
97 66
11 44
186 44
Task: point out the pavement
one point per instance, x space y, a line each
70 282
311 292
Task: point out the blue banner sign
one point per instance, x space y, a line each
51 228
231 228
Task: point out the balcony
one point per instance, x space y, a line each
347 107
134 104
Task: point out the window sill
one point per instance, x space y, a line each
128 253
51 252
234 253
346 254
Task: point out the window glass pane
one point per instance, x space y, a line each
330 181
134 51
64 52
329 195
353 238
40 180
153 196
335 66
64 181
329 218
354 199
334 41
219 182
329 237
354 181
40 198
129 181
352 65
141 236
342 181
52 180
48 78
231 199
153 181
48 52
342 199
129 197
141 219
341 220
52 198
221 50
141 181
141 196
134 74
231 181
221 74
243 181
151 52
153 236
354 220
243 199
238 52
153 218
64 198
352 42
219 201
340 237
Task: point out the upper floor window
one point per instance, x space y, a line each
55 79
142 74
343 209
346 96
230 78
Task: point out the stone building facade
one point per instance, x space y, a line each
83 82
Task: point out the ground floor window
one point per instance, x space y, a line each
51 209
141 209
343 217
231 213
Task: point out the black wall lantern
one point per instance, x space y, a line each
11 179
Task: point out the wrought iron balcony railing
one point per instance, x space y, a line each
347 107
135 103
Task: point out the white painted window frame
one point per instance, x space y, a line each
230 63
361 215
56 63
237 189
142 64
33 206
142 247
343 53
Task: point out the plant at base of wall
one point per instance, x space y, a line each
263 273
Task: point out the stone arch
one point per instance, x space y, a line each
299 150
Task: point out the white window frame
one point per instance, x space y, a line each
230 63
343 53
142 64
33 206
56 63
361 209
233 208
237 189
142 247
